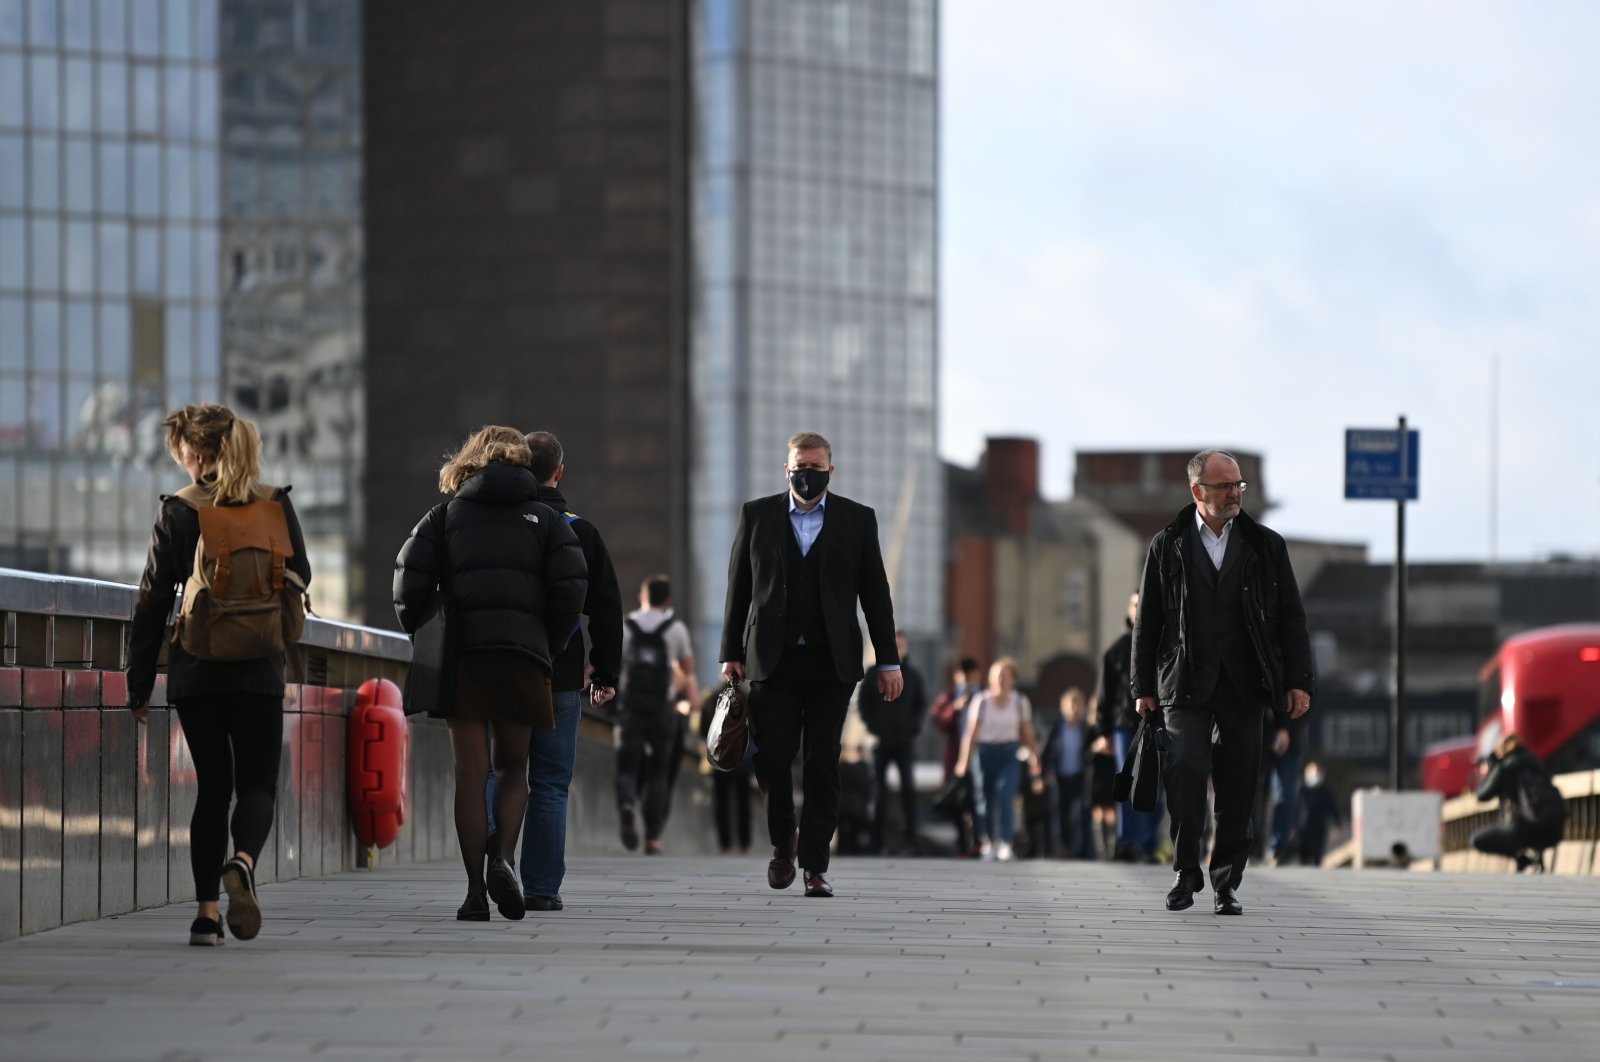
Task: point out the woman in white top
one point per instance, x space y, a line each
999 723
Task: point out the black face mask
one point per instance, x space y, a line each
808 483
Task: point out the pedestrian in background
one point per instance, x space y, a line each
516 580
1138 832
1066 756
231 711
896 725
1535 811
999 726
658 675
949 714
1318 812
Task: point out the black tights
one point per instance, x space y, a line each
236 741
470 744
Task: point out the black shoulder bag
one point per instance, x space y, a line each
431 678
1139 781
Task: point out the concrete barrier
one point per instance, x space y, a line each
94 810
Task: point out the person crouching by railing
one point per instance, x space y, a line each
1535 810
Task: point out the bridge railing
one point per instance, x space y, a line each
1465 815
94 810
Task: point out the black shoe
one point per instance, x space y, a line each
476 909
1227 903
244 914
630 829
505 890
206 933
541 903
1181 897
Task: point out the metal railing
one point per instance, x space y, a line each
1465 815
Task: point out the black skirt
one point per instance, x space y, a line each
1102 777
503 686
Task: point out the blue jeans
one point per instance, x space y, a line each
551 756
999 771
1285 803
1136 830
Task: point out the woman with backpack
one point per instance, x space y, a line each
1536 812
513 574
236 545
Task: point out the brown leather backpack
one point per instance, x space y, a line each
241 601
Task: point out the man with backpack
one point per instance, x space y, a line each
657 675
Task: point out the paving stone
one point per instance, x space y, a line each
687 958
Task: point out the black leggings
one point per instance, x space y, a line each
236 741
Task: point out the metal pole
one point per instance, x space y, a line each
1397 742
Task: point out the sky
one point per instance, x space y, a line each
1254 225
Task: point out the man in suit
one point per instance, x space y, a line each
800 562
1220 637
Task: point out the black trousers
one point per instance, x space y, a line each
1516 836
647 738
801 708
1071 812
900 755
730 796
1220 741
236 741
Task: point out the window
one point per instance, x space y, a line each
44 185
44 95
78 171
112 90
113 258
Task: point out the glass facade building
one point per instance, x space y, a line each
815 198
132 201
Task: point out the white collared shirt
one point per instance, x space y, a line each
1216 545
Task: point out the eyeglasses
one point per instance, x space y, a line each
1237 484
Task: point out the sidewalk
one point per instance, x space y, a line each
915 959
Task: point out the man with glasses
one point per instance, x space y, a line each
1219 640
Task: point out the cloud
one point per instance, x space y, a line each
1259 224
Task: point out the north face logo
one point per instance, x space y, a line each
531 516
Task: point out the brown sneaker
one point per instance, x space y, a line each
780 872
817 885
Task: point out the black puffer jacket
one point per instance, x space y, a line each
516 574
1113 701
1273 615
171 561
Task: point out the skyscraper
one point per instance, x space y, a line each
815 186
178 222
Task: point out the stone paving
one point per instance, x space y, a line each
915 959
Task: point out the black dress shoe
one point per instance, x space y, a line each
817 885
541 903
780 871
475 909
505 890
1181 896
1228 903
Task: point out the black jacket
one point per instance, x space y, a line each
516 573
171 561
1274 617
899 721
602 604
1524 783
852 565
1051 753
1114 699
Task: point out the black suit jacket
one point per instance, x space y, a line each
852 569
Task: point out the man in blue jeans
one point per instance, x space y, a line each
552 753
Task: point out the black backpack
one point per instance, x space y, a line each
647 672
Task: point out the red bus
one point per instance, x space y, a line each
1542 685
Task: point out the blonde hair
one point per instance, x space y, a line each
1508 744
231 443
1005 663
489 444
809 440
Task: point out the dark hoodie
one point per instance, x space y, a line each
602 604
516 575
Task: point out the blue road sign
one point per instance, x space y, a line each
1377 466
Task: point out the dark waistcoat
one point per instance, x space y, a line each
803 602
1219 639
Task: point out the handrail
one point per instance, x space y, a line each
1466 814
